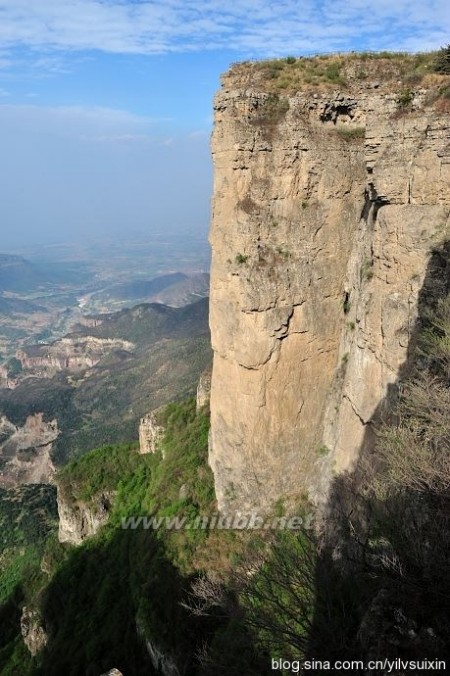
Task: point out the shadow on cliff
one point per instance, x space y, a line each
109 598
383 574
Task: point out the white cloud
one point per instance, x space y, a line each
252 27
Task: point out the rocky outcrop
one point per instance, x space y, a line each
33 633
326 208
150 433
91 321
203 390
69 354
25 451
79 520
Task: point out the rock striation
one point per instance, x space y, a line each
326 208
69 354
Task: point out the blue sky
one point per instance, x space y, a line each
106 105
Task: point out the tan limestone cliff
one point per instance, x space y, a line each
68 354
150 433
79 520
326 206
203 390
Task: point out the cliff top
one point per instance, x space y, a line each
355 70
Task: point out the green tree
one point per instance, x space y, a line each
442 61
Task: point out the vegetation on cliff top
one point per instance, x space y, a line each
100 470
327 71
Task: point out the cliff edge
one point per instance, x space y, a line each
329 196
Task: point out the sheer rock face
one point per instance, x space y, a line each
150 433
69 354
203 390
320 243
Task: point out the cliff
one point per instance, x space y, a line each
203 389
79 520
25 450
328 200
69 354
150 433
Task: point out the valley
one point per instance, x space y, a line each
46 290
90 342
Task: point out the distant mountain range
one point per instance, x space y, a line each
144 289
175 289
40 301
19 275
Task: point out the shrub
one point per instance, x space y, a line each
271 111
366 271
351 133
442 61
333 72
241 259
279 599
283 252
405 98
274 109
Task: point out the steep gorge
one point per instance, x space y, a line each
327 205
